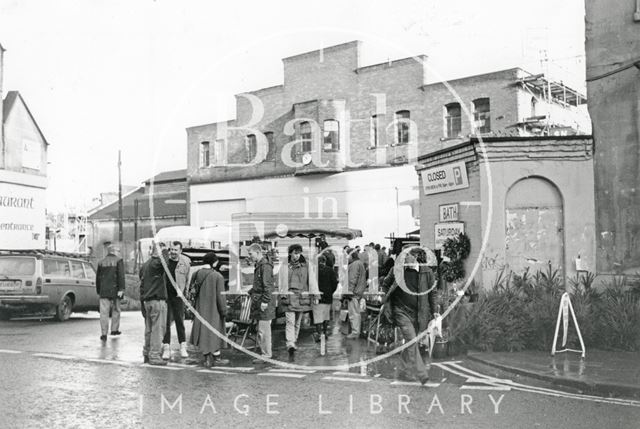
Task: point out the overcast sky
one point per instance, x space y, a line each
105 75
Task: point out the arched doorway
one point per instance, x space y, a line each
534 226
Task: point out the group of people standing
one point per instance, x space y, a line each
409 303
161 297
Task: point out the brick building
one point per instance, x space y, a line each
341 138
532 197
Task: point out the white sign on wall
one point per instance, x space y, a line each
448 212
447 230
22 217
445 178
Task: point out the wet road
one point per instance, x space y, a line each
60 375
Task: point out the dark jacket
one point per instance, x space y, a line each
152 280
357 276
426 301
110 277
327 283
262 291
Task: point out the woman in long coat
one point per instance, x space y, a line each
208 285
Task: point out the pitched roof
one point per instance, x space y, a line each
165 204
10 101
168 176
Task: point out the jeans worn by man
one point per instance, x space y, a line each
110 285
412 305
154 327
357 286
262 303
176 279
153 297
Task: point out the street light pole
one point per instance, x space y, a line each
120 238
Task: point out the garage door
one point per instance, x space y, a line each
210 213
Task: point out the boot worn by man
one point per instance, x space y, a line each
166 351
116 332
183 350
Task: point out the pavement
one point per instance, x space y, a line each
605 373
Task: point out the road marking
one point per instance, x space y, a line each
538 390
181 365
213 371
115 362
172 368
54 356
12 352
238 368
413 383
486 387
359 380
348 374
281 374
299 371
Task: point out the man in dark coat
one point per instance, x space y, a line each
327 284
153 298
262 301
110 283
410 293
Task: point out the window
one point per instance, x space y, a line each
76 270
453 120
533 106
89 271
482 115
375 130
251 146
55 267
271 146
402 126
17 266
306 136
219 152
204 155
331 135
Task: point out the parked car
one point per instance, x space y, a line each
34 281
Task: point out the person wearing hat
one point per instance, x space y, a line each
207 286
297 300
327 284
110 285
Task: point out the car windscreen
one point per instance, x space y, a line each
17 266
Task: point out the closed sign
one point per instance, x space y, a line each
448 212
445 178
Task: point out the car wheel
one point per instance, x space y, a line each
64 309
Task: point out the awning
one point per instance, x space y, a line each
347 233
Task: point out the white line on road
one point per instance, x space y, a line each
486 387
237 368
298 371
350 374
54 356
281 374
213 371
172 368
413 383
13 352
538 390
359 380
114 362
